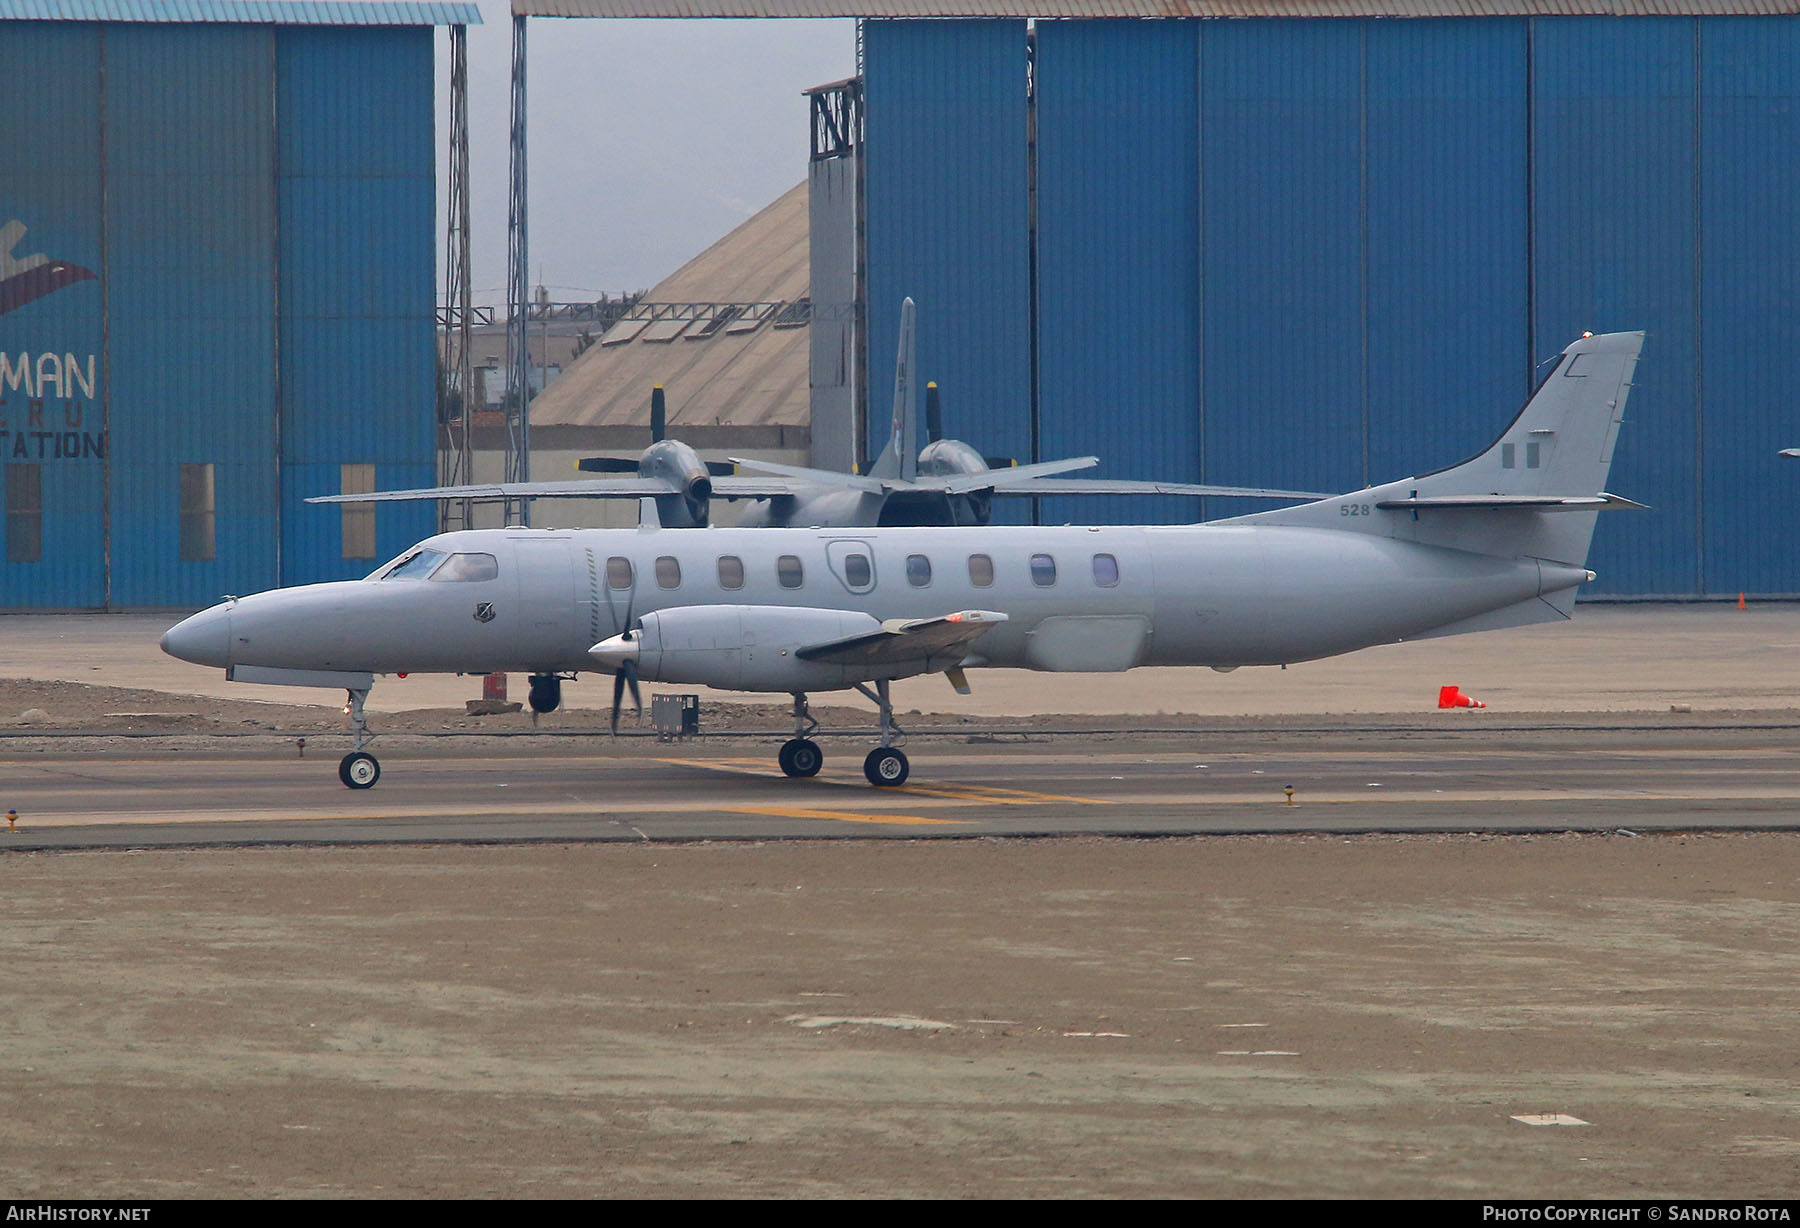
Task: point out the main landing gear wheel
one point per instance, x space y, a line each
801 757
886 766
359 770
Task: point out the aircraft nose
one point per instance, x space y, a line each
204 638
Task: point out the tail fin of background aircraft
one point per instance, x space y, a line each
900 457
1533 494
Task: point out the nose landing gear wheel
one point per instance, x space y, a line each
886 766
801 757
359 770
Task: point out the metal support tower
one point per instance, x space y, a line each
518 294
456 363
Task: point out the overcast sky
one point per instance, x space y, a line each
648 140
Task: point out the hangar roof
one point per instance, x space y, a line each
1050 9
243 12
724 334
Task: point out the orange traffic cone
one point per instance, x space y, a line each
1452 697
1740 601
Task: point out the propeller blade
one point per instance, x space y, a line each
1001 462
659 417
627 676
934 414
721 469
627 669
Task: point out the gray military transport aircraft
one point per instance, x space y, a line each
1497 541
947 482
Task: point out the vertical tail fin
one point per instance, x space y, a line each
900 457
1533 493
1561 444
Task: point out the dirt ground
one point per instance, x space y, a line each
1242 1017
1221 1017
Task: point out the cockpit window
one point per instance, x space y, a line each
415 566
466 568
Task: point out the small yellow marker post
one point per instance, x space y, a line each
1290 794
12 820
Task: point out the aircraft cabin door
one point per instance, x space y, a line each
853 563
545 581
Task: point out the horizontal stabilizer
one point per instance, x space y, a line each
951 484
908 639
1542 503
811 479
1013 475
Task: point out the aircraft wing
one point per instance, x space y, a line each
907 639
1542 503
578 488
761 487
1790 453
1103 486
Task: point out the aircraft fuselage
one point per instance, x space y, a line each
1075 598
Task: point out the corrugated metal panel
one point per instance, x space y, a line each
1081 9
357 364
946 184
191 244
261 12
749 379
832 375
1448 291
1118 258
1750 285
1281 232
52 367
1614 234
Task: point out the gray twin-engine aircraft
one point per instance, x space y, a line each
946 482
1497 541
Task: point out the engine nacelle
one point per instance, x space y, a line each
945 457
691 507
748 648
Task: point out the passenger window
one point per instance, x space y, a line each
618 572
731 571
1043 570
467 568
668 572
981 570
1106 570
918 570
789 571
857 572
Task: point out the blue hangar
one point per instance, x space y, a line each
1319 243
216 292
